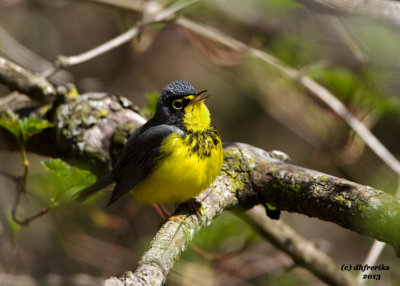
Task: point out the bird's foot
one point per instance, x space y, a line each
162 211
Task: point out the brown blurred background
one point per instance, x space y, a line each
355 57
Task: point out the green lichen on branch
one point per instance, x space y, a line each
86 123
360 208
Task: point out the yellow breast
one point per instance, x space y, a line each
190 163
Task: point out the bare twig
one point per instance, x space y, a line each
372 257
341 110
310 85
376 146
302 251
65 62
160 16
9 176
385 10
348 40
313 87
250 177
20 187
20 183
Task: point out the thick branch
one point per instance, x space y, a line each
15 101
250 177
18 78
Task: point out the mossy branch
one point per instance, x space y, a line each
250 177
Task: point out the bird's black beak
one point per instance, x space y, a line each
199 97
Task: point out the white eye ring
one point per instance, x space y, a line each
177 104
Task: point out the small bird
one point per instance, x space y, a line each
172 157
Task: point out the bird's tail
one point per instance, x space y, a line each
89 191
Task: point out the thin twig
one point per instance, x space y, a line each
310 85
27 221
372 257
376 146
20 186
386 10
160 16
65 62
7 175
348 40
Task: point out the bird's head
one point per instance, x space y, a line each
180 105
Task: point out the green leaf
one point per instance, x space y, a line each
364 90
218 237
32 125
339 80
23 128
62 179
294 50
9 121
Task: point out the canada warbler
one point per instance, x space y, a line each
172 157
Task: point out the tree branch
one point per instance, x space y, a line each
302 251
18 78
386 10
15 101
306 82
160 15
249 177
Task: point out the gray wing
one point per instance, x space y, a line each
139 158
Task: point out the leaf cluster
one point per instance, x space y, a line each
23 128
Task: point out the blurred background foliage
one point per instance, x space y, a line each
354 57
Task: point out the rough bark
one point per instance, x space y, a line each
88 125
250 177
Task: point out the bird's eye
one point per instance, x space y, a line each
177 104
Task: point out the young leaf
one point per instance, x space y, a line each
32 125
9 121
64 178
23 128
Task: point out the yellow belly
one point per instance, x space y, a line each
182 174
